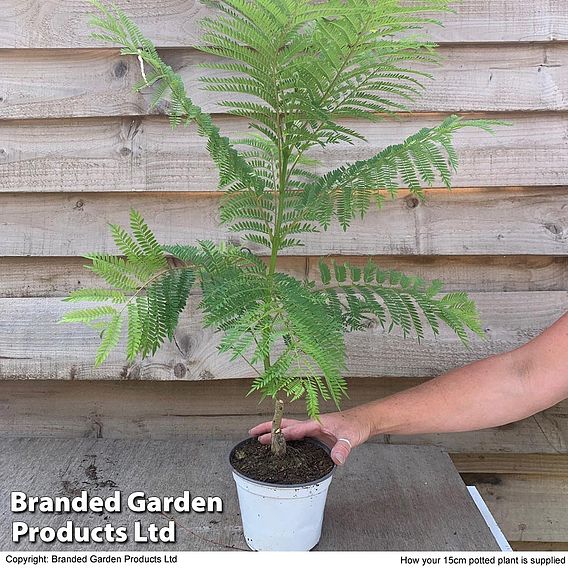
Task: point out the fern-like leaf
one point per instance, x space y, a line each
395 299
415 163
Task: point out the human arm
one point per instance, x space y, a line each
488 393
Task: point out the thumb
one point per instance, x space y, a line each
340 451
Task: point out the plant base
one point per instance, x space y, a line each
279 516
305 461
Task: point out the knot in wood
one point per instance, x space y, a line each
412 202
120 69
180 370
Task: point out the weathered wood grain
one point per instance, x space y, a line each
132 154
543 433
375 517
481 21
123 401
501 221
34 346
532 546
29 23
98 82
525 436
191 411
46 277
520 464
472 273
526 507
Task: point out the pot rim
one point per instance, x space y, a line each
282 485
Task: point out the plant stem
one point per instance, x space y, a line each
278 444
276 237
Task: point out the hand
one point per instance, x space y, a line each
340 431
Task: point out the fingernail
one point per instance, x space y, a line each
340 459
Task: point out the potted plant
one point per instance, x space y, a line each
303 74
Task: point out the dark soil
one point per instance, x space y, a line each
305 461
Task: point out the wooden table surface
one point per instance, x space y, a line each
386 498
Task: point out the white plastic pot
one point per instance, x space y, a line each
281 517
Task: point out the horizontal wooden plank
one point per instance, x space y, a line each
134 154
463 222
34 346
527 546
481 21
174 23
123 401
523 464
191 410
472 273
87 83
526 507
45 277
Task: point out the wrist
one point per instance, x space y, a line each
371 419
361 423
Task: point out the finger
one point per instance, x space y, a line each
287 422
341 451
261 429
265 438
293 430
267 426
301 430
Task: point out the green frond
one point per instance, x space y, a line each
312 397
416 163
315 330
146 240
395 299
145 289
96 295
109 339
134 331
295 70
187 253
325 273
88 315
117 28
127 245
114 270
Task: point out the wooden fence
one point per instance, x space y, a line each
78 149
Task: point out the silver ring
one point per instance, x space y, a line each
346 441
